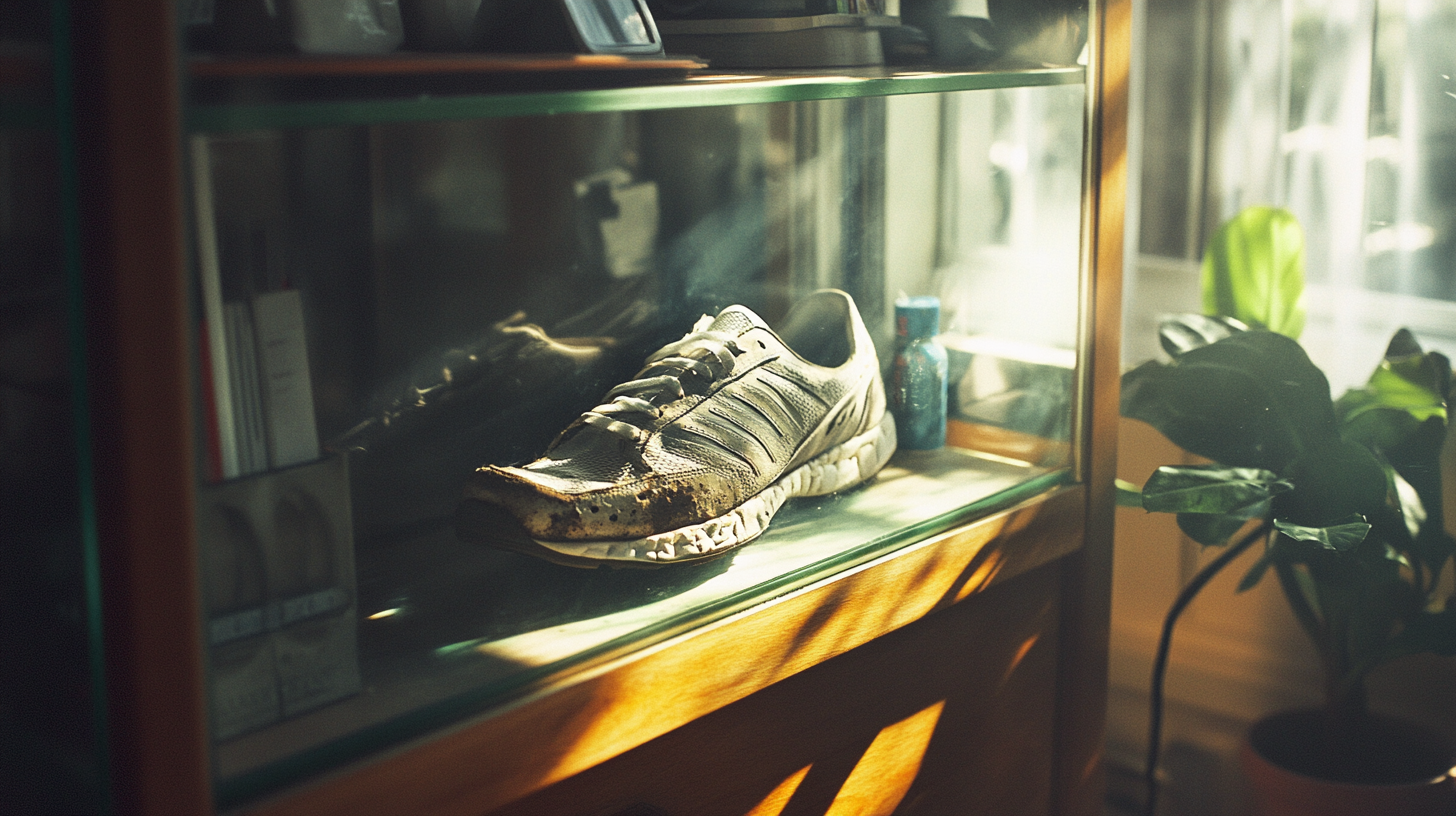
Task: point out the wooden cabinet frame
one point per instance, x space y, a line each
129 217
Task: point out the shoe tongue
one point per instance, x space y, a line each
736 320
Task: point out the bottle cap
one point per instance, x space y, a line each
917 318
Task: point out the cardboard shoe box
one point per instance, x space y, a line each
278 585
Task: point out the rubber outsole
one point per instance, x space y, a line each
841 467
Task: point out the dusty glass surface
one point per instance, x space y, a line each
429 298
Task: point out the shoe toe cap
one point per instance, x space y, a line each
599 512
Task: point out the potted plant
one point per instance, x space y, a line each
1344 496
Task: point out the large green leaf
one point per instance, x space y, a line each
1371 424
1253 399
1253 270
1406 385
1341 537
1417 460
1332 481
1402 413
1407 389
1185 332
1210 489
1395 558
1128 494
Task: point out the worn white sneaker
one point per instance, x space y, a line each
693 457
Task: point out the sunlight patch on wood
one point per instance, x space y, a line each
889 766
773 804
1021 653
984 574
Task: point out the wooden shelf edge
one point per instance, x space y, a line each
589 718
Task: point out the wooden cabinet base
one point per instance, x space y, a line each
950 714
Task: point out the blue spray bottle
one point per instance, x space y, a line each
919 374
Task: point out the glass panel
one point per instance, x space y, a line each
1338 111
401 304
1410 208
1008 272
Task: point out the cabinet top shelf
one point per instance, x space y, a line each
241 96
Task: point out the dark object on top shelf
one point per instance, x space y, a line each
253 78
949 39
441 25
380 26
318 27
1047 31
749 9
905 45
1036 31
533 26
776 33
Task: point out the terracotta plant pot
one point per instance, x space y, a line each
1403 769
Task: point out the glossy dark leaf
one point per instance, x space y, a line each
1407 384
1253 270
1402 344
1434 546
1382 564
1406 390
1208 529
1366 422
1410 506
1418 461
1184 332
1333 481
1388 526
1341 537
1411 448
1128 494
1210 489
1253 399
1285 550
1437 368
1396 557
1402 412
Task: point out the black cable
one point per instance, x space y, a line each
1165 643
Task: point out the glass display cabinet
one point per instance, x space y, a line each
451 432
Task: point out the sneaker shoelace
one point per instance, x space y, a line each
705 354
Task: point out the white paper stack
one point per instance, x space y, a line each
287 390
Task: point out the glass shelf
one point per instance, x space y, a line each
697 90
438 679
